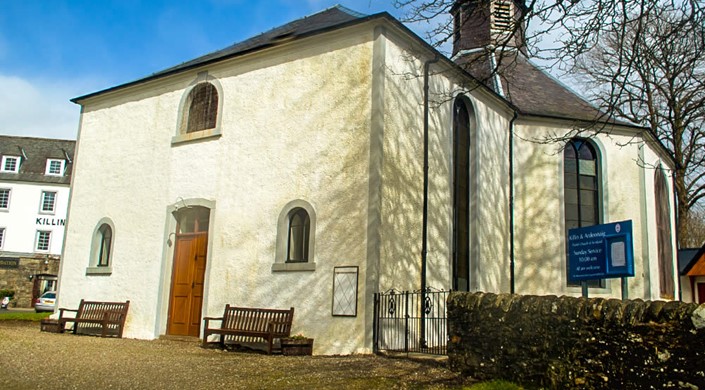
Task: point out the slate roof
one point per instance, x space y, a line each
689 260
333 17
34 153
527 88
329 19
530 89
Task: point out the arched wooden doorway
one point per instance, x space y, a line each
188 273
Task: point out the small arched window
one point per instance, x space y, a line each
105 233
296 230
581 188
202 107
101 260
299 228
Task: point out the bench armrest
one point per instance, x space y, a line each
62 310
208 319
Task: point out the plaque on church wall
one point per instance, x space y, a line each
345 291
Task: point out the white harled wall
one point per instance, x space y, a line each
295 125
627 184
402 176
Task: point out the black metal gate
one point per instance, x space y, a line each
411 321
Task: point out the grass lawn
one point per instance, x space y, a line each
6 315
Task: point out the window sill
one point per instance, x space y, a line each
293 267
99 270
195 136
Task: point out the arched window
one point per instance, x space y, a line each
663 235
299 227
463 120
202 107
101 259
581 186
296 230
105 233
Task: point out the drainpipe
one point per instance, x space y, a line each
511 202
424 222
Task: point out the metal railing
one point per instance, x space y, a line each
411 321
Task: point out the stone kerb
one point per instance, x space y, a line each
565 342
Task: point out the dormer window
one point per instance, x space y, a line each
10 164
55 167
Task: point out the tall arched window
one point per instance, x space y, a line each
581 185
462 121
202 107
299 230
663 227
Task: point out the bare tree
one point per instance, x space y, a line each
641 61
696 229
651 71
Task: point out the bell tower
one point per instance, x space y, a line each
478 24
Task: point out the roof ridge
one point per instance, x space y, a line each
339 7
348 11
36 138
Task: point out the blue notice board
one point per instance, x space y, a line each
600 252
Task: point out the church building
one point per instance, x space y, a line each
341 155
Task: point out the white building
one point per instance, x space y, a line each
288 170
35 174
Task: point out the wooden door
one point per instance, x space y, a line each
186 298
701 292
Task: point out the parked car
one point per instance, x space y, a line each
47 302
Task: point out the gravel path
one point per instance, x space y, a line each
30 359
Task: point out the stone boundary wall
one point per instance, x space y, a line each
577 343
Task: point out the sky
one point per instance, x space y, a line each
54 50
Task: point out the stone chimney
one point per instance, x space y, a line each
478 24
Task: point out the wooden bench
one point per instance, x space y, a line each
268 324
109 317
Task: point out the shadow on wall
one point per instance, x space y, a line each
332 176
539 267
539 221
